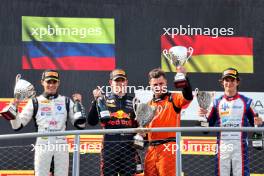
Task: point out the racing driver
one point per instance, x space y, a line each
49 111
232 110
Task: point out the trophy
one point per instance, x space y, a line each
204 99
22 91
177 55
144 113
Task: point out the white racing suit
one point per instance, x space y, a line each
51 116
232 146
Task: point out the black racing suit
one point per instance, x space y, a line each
118 153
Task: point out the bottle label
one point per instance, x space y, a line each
204 124
139 143
104 114
257 143
139 167
77 114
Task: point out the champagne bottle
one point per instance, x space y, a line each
104 114
79 114
77 107
257 142
139 166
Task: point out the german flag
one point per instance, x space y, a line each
211 55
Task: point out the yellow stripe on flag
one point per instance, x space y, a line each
213 63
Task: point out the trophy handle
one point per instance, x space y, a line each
18 77
190 50
165 54
196 90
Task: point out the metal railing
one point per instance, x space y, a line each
76 153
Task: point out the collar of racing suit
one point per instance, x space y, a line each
162 97
50 96
230 98
117 97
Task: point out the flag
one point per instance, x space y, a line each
211 55
68 43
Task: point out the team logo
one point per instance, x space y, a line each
224 107
45 102
120 114
53 123
59 108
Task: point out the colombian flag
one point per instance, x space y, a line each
68 43
212 55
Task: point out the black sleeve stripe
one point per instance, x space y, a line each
176 109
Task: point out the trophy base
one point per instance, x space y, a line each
139 142
9 112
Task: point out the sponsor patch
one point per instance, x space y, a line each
112 105
45 109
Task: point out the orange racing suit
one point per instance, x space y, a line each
160 157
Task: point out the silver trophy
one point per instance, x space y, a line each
204 99
144 113
22 91
178 56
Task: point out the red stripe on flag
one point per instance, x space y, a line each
86 63
40 63
73 63
25 63
208 45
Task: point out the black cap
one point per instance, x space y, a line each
230 72
50 75
118 73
